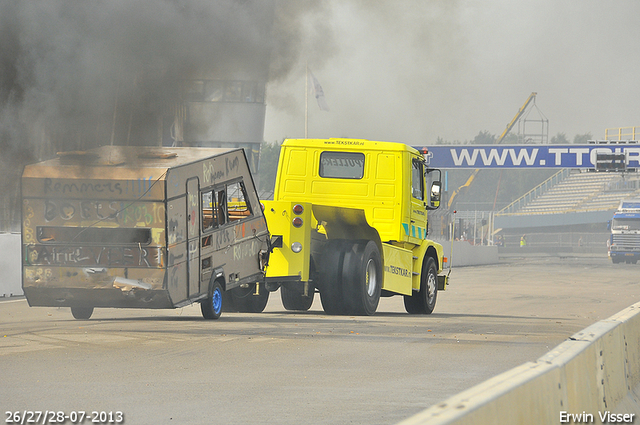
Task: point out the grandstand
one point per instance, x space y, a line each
570 197
569 211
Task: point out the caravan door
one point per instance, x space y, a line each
193 237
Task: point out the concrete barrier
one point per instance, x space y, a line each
594 377
465 254
10 265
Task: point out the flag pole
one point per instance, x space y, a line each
306 101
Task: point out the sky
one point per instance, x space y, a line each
414 71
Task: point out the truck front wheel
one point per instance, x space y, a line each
362 278
246 300
424 301
293 297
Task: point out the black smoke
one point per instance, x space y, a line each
76 75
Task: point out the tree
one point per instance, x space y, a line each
484 138
510 139
582 139
559 139
269 155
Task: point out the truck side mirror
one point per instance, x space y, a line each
434 197
609 225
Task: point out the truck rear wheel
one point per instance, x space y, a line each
362 278
227 303
293 297
424 301
211 306
330 277
246 301
82 313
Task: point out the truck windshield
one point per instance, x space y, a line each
626 224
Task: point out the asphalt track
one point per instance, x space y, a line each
278 367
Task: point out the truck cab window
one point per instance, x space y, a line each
625 224
417 180
342 165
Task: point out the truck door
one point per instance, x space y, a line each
193 237
418 227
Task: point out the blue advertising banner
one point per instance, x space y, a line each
525 156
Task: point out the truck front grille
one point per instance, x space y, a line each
627 242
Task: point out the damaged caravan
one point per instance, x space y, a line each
142 227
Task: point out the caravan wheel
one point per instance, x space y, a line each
211 306
82 313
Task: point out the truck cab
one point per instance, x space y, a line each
624 242
349 220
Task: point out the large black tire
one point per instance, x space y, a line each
82 313
246 301
228 306
330 277
211 306
430 288
414 303
424 301
293 298
362 278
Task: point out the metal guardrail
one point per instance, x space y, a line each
622 133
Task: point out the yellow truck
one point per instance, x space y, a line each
143 227
349 220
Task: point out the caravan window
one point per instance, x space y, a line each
237 202
213 208
225 204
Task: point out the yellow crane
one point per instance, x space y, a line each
515 119
506 131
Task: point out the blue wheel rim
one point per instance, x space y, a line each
216 301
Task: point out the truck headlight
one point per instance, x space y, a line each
297 222
296 247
